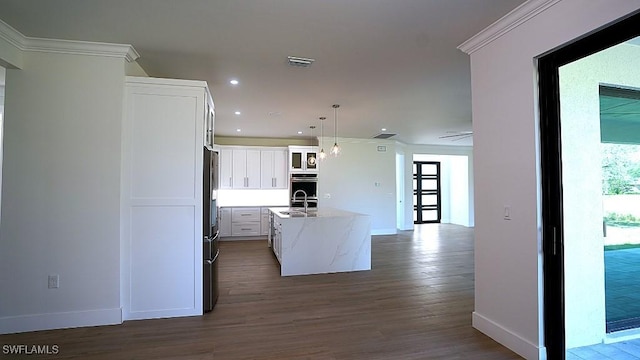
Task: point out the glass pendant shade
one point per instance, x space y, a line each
335 150
322 154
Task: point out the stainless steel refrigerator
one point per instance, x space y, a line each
210 229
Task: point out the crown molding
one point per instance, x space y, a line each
512 20
72 47
11 35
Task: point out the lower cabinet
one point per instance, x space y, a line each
225 221
264 221
241 222
276 233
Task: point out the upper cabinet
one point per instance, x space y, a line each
209 121
226 167
303 159
274 169
247 167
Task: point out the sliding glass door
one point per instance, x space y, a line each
590 131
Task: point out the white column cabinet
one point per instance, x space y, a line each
274 169
161 214
210 115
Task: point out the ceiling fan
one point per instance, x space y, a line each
457 135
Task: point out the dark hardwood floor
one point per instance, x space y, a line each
415 303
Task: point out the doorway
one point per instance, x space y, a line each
573 181
426 192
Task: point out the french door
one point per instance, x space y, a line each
426 192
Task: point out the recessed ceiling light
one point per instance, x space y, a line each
234 82
238 130
237 113
383 129
299 132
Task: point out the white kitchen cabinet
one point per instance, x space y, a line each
226 168
303 158
161 213
245 221
224 218
210 115
264 221
276 242
273 169
245 169
253 168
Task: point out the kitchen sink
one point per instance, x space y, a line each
299 213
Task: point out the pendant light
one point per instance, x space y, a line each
335 150
322 154
311 160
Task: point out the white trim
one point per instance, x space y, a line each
504 336
11 35
72 47
25 323
512 20
81 48
139 80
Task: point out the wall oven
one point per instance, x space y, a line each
308 183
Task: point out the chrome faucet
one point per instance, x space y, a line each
295 194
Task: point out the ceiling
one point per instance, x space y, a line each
390 64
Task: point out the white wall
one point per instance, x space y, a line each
582 195
361 179
508 263
60 192
2 81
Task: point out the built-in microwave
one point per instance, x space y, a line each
304 185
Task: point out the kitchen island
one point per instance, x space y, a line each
325 240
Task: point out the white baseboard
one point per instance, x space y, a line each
504 336
25 323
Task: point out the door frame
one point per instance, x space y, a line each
418 198
551 167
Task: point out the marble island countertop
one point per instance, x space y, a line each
323 240
323 212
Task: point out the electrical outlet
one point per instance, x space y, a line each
54 281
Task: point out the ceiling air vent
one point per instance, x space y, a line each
383 136
300 61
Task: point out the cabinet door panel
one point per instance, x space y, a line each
267 165
280 173
239 169
225 221
252 169
226 166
